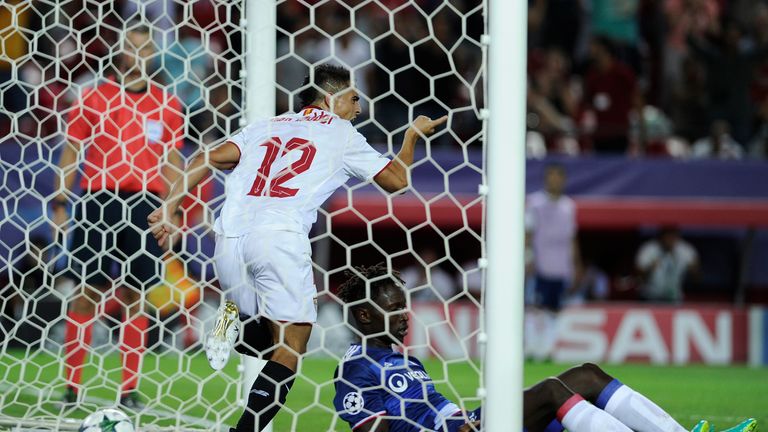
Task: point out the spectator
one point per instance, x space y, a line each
689 103
663 264
552 100
758 147
611 92
653 130
187 65
618 22
14 17
730 65
718 145
129 160
563 25
161 13
353 51
428 281
551 231
683 18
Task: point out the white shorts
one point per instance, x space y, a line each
268 273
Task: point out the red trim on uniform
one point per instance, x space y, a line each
311 107
368 419
382 170
563 410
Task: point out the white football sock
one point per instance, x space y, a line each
585 417
638 412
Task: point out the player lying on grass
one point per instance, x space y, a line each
380 389
283 169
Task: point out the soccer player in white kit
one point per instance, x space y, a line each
283 169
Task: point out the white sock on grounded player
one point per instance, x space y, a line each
635 410
578 415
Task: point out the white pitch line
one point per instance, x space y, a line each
209 425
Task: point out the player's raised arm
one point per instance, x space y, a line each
395 176
173 168
225 156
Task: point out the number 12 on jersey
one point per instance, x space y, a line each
276 148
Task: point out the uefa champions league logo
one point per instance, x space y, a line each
353 402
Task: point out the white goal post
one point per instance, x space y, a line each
230 62
503 374
259 73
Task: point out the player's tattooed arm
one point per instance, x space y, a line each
395 177
225 156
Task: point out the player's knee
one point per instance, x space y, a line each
296 345
555 390
594 373
290 344
294 337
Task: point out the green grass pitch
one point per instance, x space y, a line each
182 393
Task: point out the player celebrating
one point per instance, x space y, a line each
131 130
380 389
285 167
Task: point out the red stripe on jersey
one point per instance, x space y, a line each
563 410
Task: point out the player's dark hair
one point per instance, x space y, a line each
325 78
354 289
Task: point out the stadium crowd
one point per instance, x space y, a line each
693 71
678 78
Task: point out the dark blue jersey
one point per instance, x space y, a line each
383 382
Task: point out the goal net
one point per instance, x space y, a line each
408 58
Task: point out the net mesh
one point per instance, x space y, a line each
408 57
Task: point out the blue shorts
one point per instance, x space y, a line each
549 292
454 425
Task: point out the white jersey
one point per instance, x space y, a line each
289 165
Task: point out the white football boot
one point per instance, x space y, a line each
221 340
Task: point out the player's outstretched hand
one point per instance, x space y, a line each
425 126
161 226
